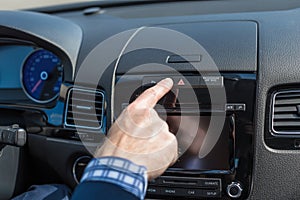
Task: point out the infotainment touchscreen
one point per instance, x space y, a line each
180 108
221 156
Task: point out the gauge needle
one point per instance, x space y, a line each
36 86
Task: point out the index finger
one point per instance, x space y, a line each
151 96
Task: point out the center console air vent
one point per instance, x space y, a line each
286 112
84 109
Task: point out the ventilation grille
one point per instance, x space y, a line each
84 109
286 112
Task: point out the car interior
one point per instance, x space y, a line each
68 71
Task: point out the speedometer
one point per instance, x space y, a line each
42 75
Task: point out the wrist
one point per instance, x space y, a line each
119 171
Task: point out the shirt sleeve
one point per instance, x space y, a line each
118 171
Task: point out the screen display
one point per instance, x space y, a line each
12 58
221 155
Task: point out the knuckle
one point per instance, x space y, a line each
173 140
131 106
165 126
151 92
143 111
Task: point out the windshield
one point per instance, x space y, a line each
25 4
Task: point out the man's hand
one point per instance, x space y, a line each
141 136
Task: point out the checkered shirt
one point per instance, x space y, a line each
118 171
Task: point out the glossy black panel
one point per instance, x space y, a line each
239 109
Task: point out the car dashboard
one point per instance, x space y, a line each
67 72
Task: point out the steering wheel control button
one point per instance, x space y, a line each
234 190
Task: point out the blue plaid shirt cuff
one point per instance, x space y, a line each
118 171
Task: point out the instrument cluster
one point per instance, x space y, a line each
42 76
30 74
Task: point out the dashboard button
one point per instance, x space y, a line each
179 81
240 107
182 192
151 80
170 191
193 192
235 107
174 192
230 107
185 81
210 183
217 81
211 193
153 190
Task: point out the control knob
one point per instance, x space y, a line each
234 190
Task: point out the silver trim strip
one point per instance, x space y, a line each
112 100
72 142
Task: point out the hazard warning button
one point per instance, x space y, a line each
181 82
187 81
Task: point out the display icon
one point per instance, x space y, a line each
180 82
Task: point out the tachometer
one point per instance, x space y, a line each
42 75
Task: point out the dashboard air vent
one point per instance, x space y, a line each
286 113
84 109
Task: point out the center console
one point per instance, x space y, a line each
224 171
210 108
